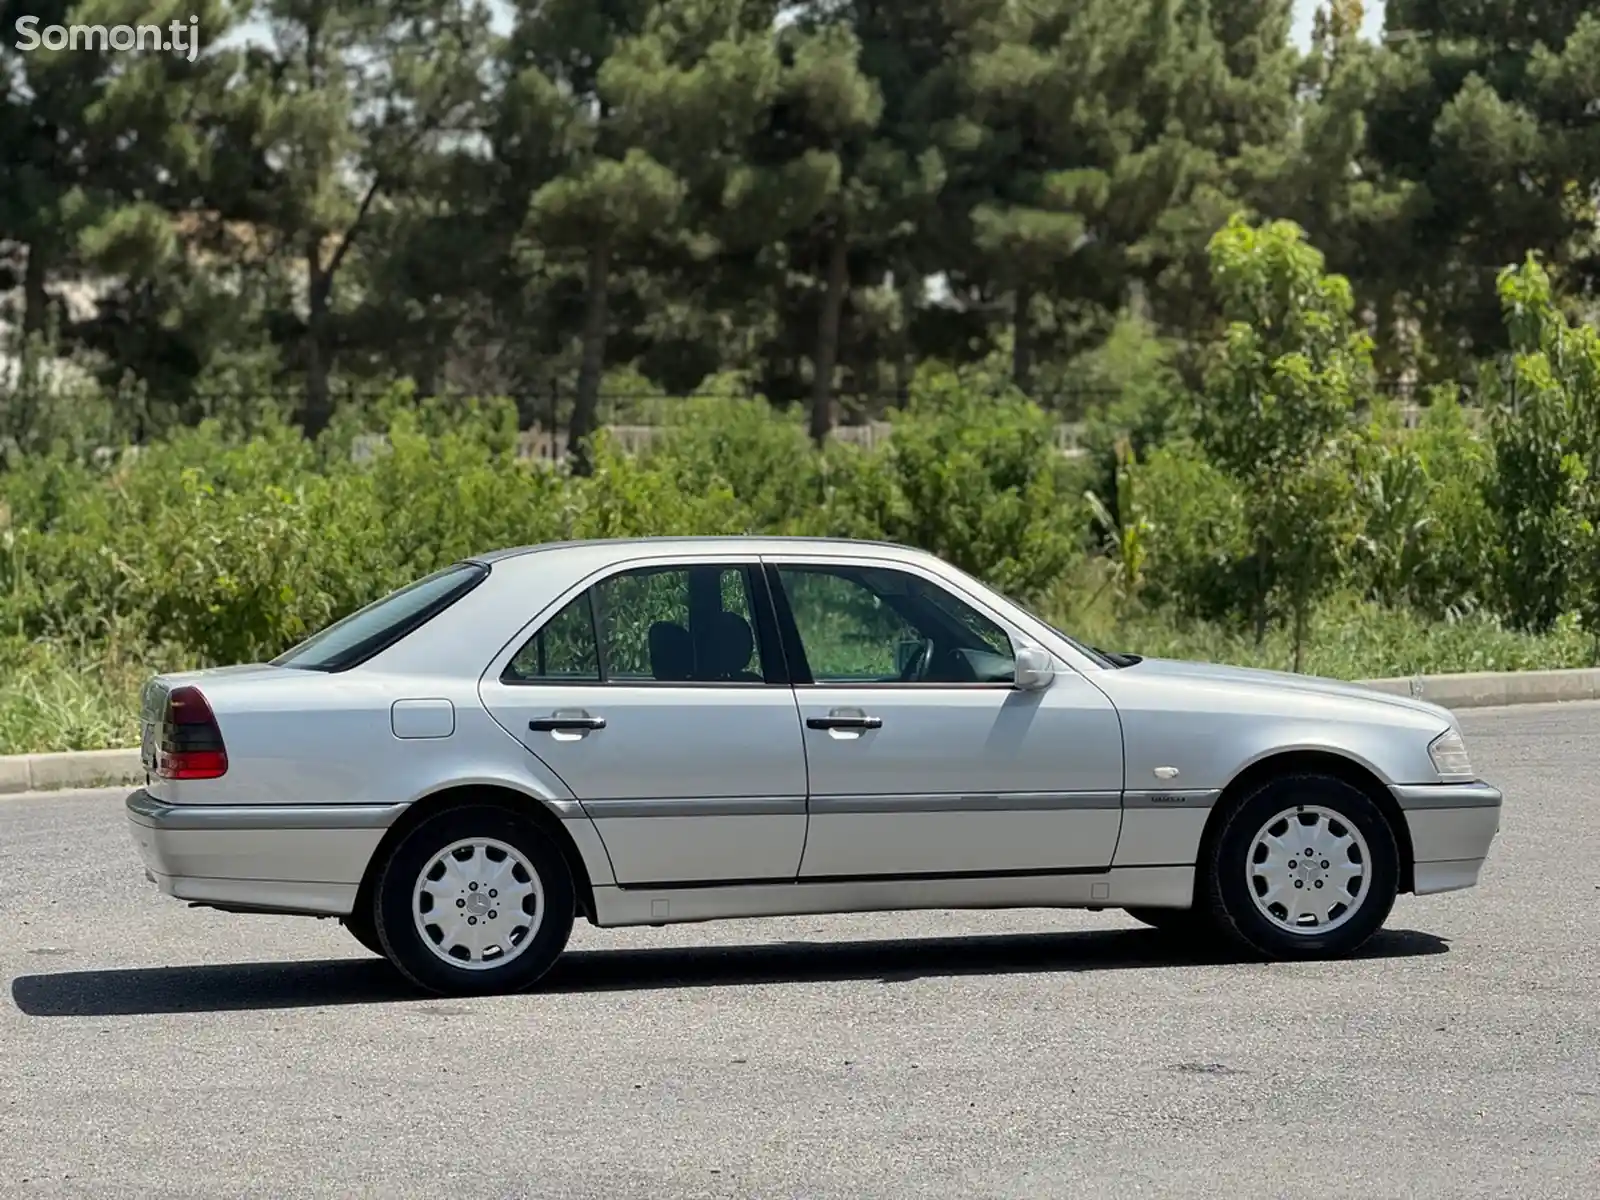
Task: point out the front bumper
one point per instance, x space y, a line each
267 857
1452 826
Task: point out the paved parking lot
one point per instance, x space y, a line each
153 1050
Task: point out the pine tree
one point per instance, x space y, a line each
612 112
101 147
332 120
1484 116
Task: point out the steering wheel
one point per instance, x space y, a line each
918 662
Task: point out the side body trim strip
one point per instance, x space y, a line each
967 802
1172 798
1412 797
155 814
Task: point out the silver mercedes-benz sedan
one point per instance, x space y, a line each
664 730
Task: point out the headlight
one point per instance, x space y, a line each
1449 755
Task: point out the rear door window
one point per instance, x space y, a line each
676 624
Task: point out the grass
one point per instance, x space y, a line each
55 696
58 697
1367 643
1349 638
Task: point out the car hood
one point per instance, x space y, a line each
1283 681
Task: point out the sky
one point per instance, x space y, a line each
1305 10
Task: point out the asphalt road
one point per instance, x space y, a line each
152 1050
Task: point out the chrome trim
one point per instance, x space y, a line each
1172 798
145 810
738 806
1412 797
959 802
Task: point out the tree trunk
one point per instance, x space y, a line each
586 405
1300 615
318 407
35 298
1021 337
1261 595
905 358
837 287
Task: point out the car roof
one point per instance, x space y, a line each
754 544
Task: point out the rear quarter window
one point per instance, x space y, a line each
354 639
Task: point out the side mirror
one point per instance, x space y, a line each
1034 669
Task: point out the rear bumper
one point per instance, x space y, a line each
1452 827
268 858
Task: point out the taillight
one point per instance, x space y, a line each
188 742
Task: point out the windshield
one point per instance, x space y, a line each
349 642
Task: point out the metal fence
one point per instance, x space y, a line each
649 416
549 445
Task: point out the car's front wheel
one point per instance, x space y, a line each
475 900
1305 867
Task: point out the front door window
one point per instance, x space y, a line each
874 625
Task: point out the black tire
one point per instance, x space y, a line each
1227 891
364 929
403 942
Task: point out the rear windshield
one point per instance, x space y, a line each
352 640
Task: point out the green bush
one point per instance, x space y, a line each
1428 534
1545 492
205 548
974 477
1198 544
761 456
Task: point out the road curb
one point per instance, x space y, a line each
72 769
1483 689
1494 689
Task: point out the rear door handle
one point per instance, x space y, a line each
552 724
844 722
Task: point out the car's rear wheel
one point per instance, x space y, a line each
475 900
1306 866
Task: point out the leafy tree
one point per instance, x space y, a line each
1279 397
1135 394
1546 435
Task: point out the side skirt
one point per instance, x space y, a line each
1145 887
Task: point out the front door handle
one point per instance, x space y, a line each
837 722
552 724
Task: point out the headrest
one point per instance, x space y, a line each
671 651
